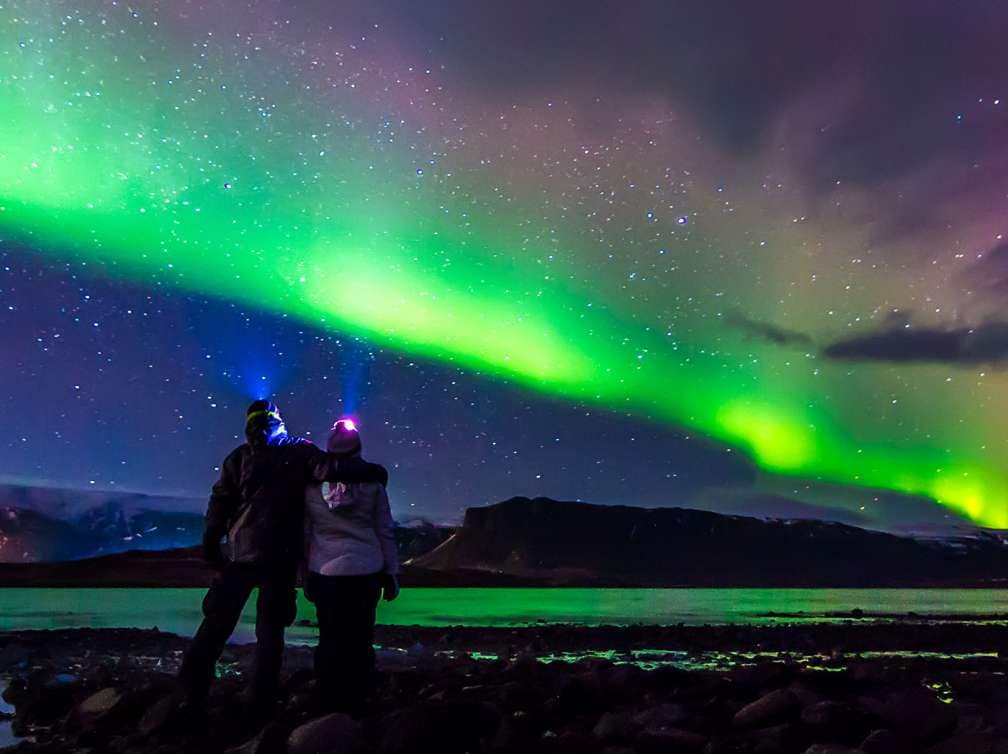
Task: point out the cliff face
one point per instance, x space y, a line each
578 543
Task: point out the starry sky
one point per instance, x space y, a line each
737 256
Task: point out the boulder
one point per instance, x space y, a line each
830 749
669 714
770 709
915 714
97 706
835 721
333 734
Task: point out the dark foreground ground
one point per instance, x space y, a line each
877 688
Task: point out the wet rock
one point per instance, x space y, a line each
333 734
444 727
669 740
776 707
614 727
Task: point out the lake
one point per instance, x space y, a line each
178 610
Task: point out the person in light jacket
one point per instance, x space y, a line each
351 561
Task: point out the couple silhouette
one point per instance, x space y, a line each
286 506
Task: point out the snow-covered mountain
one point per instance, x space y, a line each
44 523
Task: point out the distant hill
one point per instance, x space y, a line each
43 523
40 524
544 542
183 567
569 543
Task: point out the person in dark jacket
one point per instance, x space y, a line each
258 504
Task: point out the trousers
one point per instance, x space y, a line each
344 657
276 608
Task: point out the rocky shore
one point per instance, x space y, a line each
854 686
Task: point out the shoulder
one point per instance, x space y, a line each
302 446
237 454
380 473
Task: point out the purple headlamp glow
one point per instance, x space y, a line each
348 424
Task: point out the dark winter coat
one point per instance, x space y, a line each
259 499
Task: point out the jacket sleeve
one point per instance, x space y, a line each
331 468
309 532
385 529
225 497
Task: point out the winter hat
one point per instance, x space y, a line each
344 439
263 422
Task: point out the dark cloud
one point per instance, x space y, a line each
906 69
767 331
986 343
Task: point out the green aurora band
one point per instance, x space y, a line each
115 154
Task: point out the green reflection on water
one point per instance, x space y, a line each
178 610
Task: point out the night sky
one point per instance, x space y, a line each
742 256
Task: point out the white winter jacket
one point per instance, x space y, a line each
349 530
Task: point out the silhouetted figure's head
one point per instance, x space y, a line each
264 425
344 439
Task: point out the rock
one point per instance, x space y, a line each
333 734
974 743
614 727
834 721
669 740
669 714
830 749
13 655
884 742
96 706
579 695
157 715
270 740
776 707
444 727
46 704
787 737
16 691
915 714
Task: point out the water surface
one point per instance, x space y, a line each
178 610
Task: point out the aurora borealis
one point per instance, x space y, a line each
675 220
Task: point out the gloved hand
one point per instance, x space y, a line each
212 553
390 587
